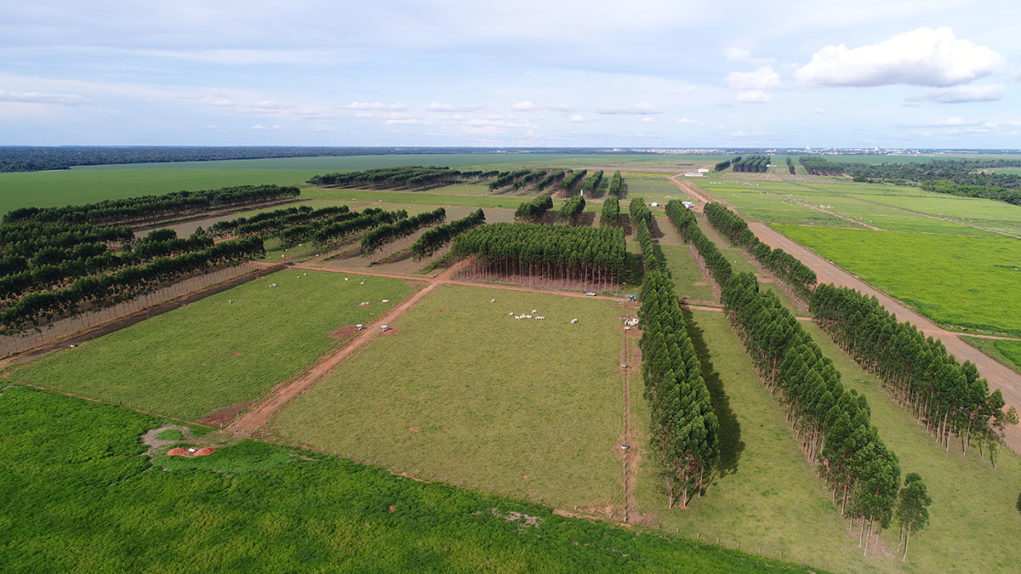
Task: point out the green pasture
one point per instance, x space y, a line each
1006 352
959 281
227 348
463 393
77 496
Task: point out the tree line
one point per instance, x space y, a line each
831 423
434 239
949 398
103 290
591 183
341 231
787 267
534 210
151 208
572 209
570 182
594 255
616 186
684 428
552 179
751 164
610 215
816 165
269 223
395 177
383 234
507 178
790 166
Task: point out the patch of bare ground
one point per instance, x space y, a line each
223 416
344 332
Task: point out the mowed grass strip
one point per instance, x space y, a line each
227 348
965 281
463 393
77 496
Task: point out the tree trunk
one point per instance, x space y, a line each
907 538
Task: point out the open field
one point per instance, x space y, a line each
227 348
524 408
76 495
963 281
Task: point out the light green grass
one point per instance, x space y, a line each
213 353
1006 352
471 396
688 277
77 496
964 281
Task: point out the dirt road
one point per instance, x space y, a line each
998 375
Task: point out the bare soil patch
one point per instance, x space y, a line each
223 416
344 332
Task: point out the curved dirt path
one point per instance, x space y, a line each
701 198
998 375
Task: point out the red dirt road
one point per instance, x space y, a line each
998 375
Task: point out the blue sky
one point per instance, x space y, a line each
643 73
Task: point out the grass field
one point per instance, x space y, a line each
524 408
76 496
226 348
962 281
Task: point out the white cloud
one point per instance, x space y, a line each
922 57
403 122
685 121
753 85
754 97
577 118
40 98
438 107
375 106
735 54
638 109
530 106
962 94
761 79
648 120
262 127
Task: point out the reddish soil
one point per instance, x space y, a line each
204 451
344 332
414 429
178 451
221 417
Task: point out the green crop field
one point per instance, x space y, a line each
524 408
964 281
77 496
226 348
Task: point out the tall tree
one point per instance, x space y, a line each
912 509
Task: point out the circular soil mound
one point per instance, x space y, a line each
205 451
178 451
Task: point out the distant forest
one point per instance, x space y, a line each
23 158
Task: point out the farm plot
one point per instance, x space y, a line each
462 392
965 281
225 349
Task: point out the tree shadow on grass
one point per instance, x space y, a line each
731 445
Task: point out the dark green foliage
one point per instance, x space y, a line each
684 219
785 266
751 163
591 183
611 212
393 177
534 210
948 397
963 177
270 223
508 178
570 182
572 209
721 166
817 165
404 227
341 230
616 187
790 166
912 509
590 254
439 236
151 208
77 494
553 178
684 428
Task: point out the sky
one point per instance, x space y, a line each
549 73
